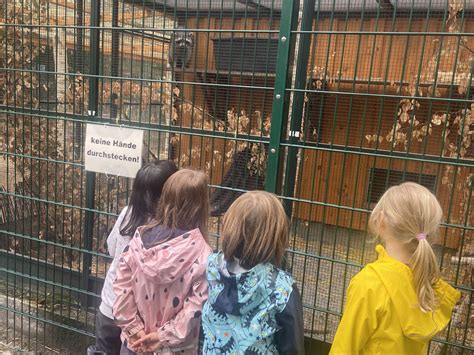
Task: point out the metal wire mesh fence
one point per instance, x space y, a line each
326 103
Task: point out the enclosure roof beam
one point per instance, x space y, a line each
253 4
321 6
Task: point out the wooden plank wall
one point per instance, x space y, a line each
341 179
391 57
233 98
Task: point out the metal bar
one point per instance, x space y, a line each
211 30
280 95
215 134
384 95
90 176
298 102
45 320
79 27
115 54
54 244
45 273
453 225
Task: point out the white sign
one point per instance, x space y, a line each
113 150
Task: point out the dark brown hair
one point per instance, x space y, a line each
184 202
255 230
147 188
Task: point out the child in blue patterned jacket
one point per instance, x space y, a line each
253 306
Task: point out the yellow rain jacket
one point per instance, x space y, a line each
382 315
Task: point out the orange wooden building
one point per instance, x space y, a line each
363 63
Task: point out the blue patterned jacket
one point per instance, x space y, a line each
255 312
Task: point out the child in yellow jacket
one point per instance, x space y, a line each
398 303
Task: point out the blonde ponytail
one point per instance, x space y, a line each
425 274
411 214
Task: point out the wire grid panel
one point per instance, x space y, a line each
384 96
52 267
379 95
69 63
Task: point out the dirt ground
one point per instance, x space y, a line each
21 332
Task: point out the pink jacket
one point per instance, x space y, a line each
161 287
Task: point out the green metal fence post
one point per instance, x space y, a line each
298 101
92 111
79 65
115 55
288 23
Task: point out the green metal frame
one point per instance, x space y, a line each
92 112
298 101
288 24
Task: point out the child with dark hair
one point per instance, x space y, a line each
147 188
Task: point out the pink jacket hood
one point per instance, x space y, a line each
168 261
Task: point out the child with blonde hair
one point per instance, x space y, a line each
253 307
161 280
398 303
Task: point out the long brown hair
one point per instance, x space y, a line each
410 210
146 193
184 202
255 230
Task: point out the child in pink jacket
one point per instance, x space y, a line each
147 188
161 283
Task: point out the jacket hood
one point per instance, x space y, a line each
241 293
415 323
171 258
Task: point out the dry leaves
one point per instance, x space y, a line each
47 150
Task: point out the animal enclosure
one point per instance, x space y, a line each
325 103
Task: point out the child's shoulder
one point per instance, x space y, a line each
368 278
214 259
284 277
282 287
122 215
124 211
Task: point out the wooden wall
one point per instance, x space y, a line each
393 57
203 64
342 178
216 92
363 64
382 64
